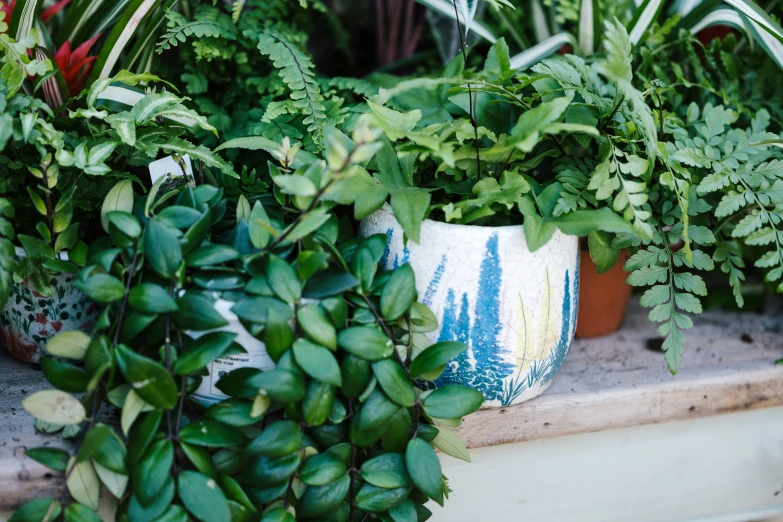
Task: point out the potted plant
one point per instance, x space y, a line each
508 156
336 430
57 167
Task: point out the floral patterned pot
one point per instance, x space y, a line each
515 309
29 319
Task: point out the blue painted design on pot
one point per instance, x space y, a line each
515 309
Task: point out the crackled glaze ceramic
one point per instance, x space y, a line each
515 309
29 319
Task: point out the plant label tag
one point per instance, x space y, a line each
173 167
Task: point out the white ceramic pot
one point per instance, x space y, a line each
515 309
256 356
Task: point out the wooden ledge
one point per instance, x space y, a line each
605 383
617 381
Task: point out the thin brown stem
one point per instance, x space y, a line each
611 114
124 303
387 331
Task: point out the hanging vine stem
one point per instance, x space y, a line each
472 111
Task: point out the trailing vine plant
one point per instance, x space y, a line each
338 430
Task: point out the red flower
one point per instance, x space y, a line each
52 10
75 65
40 318
57 325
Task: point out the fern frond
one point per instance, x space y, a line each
355 85
179 29
276 109
297 71
236 10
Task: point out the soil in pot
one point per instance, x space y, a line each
603 298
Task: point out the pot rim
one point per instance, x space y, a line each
387 208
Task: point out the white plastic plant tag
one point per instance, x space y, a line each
172 166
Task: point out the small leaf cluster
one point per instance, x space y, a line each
338 430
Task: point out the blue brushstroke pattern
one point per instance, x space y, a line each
432 288
561 349
387 250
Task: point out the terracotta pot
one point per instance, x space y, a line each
515 309
603 298
29 319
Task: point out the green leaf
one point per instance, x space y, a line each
374 499
321 500
152 472
449 443
318 403
367 342
149 298
387 471
36 511
316 325
410 207
317 362
54 458
211 433
280 385
322 469
202 497
424 469
260 226
234 412
211 255
376 410
394 382
119 198
295 185
436 357
328 283
149 379
80 513
64 376
102 288
266 472
277 440
83 484
161 248
55 407
202 351
452 401
283 280
71 344
603 255
398 293
196 312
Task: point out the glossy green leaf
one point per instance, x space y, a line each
102 288
53 458
202 351
398 293
149 298
202 497
161 248
149 379
366 342
424 469
318 501
316 325
394 382
283 279
452 401
277 440
317 362
386 471
322 469
211 433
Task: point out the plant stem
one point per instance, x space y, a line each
614 111
386 330
472 111
124 303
